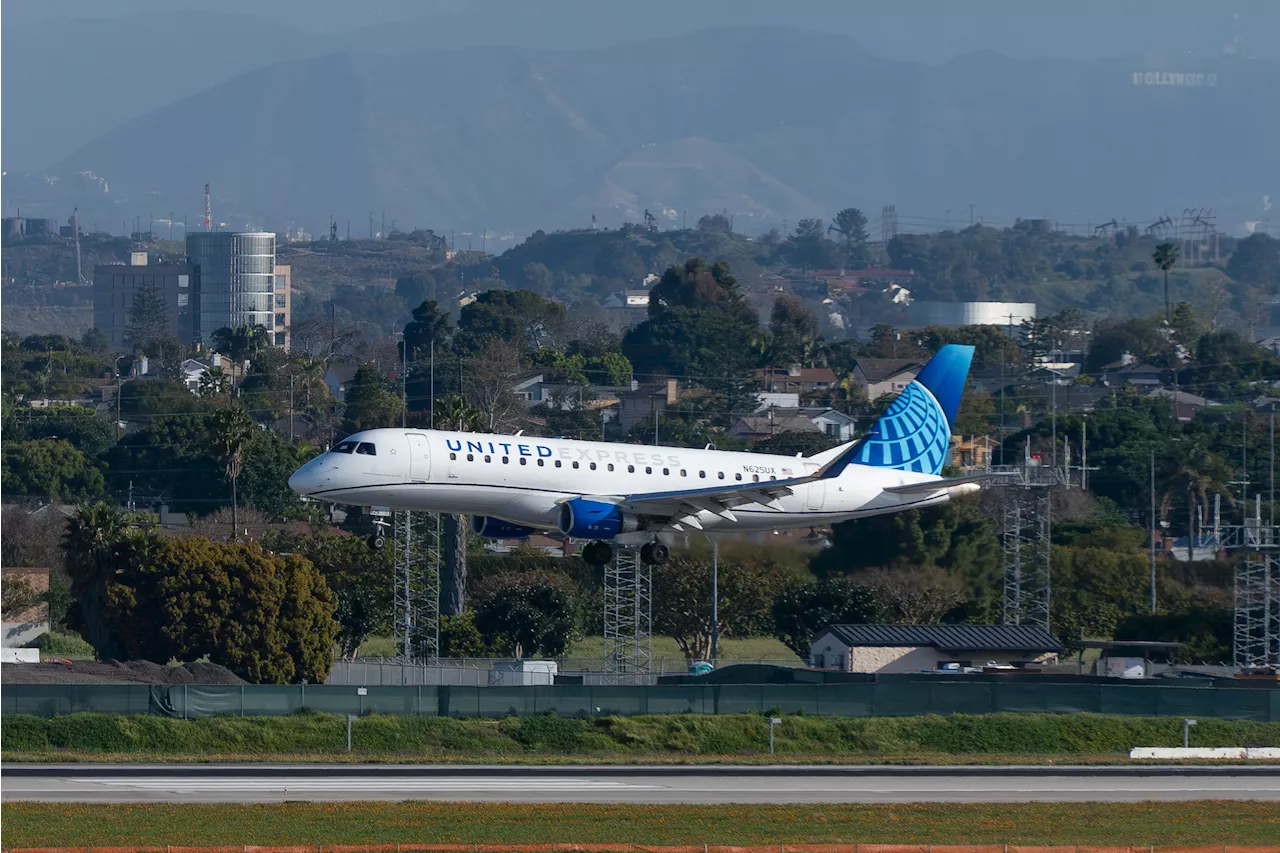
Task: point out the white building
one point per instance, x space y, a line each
921 648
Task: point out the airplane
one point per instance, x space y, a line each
627 494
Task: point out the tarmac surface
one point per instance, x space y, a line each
631 784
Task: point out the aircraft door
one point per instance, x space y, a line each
419 457
815 493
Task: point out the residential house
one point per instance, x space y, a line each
877 377
923 648
754 428
1185 405
645 402
338 377
1128 370
972 453
796 378
25 625
767 400
529 386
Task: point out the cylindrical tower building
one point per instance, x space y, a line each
233 280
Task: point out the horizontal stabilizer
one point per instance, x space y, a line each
939 485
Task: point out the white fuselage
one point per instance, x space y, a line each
524 479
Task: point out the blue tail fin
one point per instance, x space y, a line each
915 433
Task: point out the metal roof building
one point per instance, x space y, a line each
917 648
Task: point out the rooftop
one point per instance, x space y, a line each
880 369
951 638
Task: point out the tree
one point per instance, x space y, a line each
17 595
915 596
96 341
80 426
698 323
791 329
530 613
235 429
369 404
168 350
148 316
538 278
355 573
240 342
213 382
95 544
520 317
429 326
804 609
268 618
1256 261
416 287
487 386
809 247
1166 257
48 468
851 225
682 606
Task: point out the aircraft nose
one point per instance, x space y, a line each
304 480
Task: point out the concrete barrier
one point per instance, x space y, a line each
1260 752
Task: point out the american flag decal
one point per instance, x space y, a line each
786 472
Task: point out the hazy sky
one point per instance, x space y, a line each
921 30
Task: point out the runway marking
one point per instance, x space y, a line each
365 784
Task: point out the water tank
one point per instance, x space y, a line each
42 226
12 226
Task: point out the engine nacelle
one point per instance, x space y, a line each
586 519
495 528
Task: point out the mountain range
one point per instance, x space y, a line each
766 123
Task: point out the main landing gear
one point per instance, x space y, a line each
600 553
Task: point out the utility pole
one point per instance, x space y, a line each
1154 525
404 380
291 408
715 600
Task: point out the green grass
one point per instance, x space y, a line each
74 824
592 648
664 738
69 646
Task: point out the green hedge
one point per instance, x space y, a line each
693 735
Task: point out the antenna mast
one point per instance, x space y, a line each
208 209
75 233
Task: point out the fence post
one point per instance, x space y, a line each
184 701
242 700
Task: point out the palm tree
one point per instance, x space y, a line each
92 542
1166 257
452 412
235 430
240 342
1200 473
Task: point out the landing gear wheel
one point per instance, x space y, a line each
376 542
654 553
598 553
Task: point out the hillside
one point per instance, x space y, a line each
766 123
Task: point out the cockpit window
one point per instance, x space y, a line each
367 449
345 447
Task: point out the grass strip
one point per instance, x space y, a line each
1199 822
659 737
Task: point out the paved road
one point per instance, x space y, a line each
274 783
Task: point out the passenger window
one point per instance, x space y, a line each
487 459
593 466
666 472
648 470
453 456
610 466
737 476
771 477
721 475
755 478
557 463
505 460
471 457
683 473
524 461
367 449
345 447
575 465
702 474
631 469
540 463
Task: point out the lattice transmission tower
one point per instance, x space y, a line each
416 602
628 617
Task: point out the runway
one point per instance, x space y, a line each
631 784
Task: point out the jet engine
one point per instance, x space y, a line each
495 528
587 519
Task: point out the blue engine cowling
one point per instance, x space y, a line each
587 519
495 528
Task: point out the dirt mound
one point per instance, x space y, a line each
116 672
